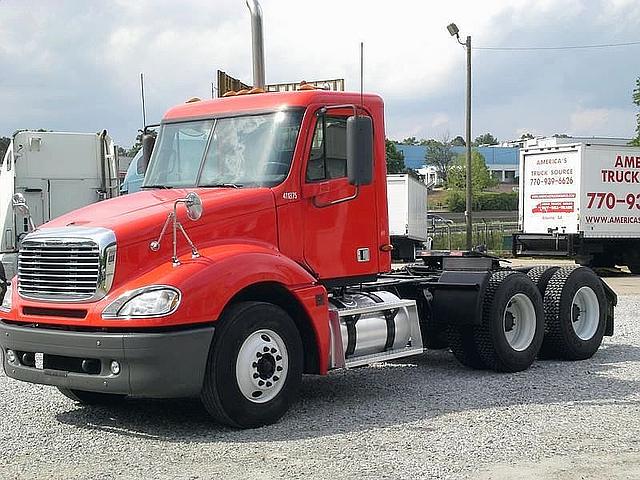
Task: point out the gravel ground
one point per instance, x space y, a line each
423 417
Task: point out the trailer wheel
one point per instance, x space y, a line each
541 275
512 323
254 369
92 398
575 314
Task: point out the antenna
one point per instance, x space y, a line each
144 111
362 74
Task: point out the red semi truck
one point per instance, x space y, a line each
258 251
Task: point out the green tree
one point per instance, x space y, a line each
526 136
4 145
395 157
410 141
485 139
481 178
440 154
136 146
636 102
459 141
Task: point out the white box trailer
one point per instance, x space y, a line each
582 201
407 203
57 172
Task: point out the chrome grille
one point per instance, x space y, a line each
58 269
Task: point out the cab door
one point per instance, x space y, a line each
340 227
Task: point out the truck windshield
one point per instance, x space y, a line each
243 151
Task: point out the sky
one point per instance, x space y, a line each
75 65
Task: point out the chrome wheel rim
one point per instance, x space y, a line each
262 366
519 322
585 313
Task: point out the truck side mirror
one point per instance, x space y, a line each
148 141
359 150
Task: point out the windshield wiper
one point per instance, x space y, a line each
222 185
166 187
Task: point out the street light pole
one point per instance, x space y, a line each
453 30
468 214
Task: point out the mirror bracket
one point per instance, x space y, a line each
19 204
193 204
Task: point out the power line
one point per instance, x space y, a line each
566 47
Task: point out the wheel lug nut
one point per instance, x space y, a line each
276 378
258 354
261 383
269 384
256 375
279 368
278 357
273 350
265 349
254 365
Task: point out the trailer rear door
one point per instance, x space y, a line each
610 196
550 186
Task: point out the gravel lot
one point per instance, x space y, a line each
423 417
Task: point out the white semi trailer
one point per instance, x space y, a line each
580 200
407 200
55 172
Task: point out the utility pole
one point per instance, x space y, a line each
469 208
453 31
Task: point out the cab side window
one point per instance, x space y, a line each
328 158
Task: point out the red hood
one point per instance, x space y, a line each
140 216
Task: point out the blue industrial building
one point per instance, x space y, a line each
502 162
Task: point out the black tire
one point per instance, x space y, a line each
463 346
561 340
493 346
92 398
541 275
221 394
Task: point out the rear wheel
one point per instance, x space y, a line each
575 314
254 367
91 398
541 276
512 323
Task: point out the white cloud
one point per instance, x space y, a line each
75 64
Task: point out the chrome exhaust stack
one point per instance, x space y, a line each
257 43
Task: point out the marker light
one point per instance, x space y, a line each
114 367
11 356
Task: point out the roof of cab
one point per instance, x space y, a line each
266 101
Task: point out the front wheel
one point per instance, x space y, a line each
254 367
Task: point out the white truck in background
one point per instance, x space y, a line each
407 203
582 201
56 172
